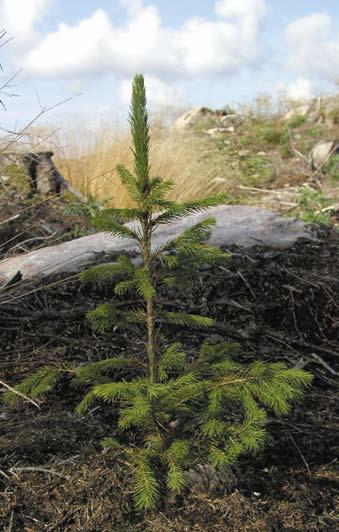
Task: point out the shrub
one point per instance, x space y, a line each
270 132
314 132
296 121
285 151
229 110
310 205
256 171
332 168
334 115
176 411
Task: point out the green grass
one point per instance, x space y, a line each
296 121
332 168
256 171
314 132
270 132
286 152
18 178
334 116
310 205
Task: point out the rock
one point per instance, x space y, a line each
213 132
239 225
192 118
302 110
216 131
321 119
322 152
232 120
204 116
312 111
330 110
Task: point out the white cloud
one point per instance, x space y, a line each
313 47
132 6
159 93
143 43
301 89
72 49
18 17
241 8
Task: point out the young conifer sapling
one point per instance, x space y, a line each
177 411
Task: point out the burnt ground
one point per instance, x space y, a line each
54 475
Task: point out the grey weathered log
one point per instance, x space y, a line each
235 225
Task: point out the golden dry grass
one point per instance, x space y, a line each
90 165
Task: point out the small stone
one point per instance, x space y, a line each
216 131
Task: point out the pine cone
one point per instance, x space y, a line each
204 480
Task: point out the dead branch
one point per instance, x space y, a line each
22 395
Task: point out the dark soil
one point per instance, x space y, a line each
28 223
54 475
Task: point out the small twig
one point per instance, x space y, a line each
13 281
4 474
321 349
318 359
302 456
2 383
19 135
11 219
49 198
36 238
297 152
11 520
267 191
39 470
334 207
40 288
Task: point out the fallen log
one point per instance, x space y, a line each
235 225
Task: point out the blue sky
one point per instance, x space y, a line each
192 52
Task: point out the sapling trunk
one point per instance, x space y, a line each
147 259
150 339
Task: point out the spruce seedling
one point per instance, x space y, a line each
178 411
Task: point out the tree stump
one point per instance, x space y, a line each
44 177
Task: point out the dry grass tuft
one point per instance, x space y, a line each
90 165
